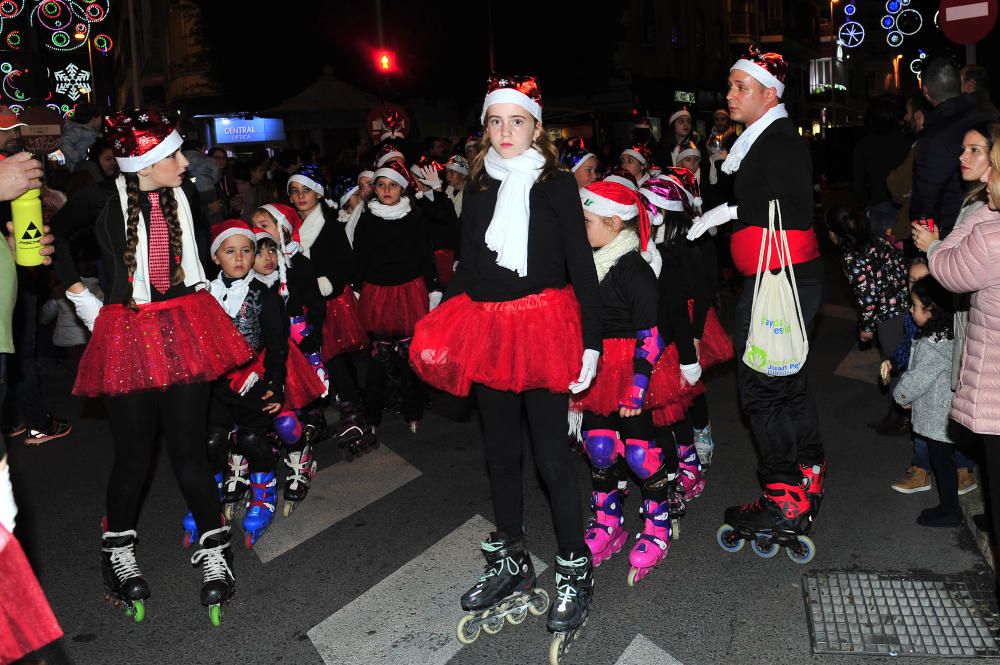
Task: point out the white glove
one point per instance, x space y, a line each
717 216
454 266
87 306
435 298
249 383
691 373
8 509
588 371
325 286
429 176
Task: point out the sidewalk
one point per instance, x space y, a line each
972 504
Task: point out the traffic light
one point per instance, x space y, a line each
385 62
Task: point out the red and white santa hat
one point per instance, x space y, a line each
687 149
641 152
680 113
768 68
366 174
688 183
286 217
228 229
622 177
385 154
610 199
397 173
140 138
520 90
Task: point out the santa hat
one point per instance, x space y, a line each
681 113
260 234
654 171
458 164
573 157
366 174
397 173
640 152
642 122
663 194
228 229
140 138
619 175
769 69
286 217
475 139
392 126
386 153
688 183
687 149
520 90
610 199
344 189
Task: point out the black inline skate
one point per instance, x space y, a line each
574 590
216 560
123 581
356 436
506 590
782 515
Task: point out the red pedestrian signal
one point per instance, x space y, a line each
385 62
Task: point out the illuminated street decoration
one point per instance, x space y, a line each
852 33
900 21
72 82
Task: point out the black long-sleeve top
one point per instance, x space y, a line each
778 166
442 222
331 255
99 206
678 277
391 252
305 299
557 241
264 325
629 295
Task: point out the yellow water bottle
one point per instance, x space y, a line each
28 228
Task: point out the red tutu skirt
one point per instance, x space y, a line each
515 345
614 380
680 393
302 384
716 344
182 340
343 331
26 620
444 261
393 311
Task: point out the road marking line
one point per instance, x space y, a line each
643 652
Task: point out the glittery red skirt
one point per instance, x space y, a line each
343 331
182 340
393 311
26 620
302 384
680 393
716 344
613 382
444 261
515 345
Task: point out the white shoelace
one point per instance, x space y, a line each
297 469
123 558
216 566
567 591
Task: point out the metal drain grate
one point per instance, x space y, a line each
901 615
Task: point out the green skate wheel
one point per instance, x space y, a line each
540 603
765 551
726 539
137 611
465 634
803 555
215 614
517 617
494 625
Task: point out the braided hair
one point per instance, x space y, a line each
168 203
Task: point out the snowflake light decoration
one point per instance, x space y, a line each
72 82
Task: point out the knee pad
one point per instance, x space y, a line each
603 447
288 427
657 482
381 351
403 347
643 457
255 447
215 447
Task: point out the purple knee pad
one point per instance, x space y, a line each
643 457
288 427
603 447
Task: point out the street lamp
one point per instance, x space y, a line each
80 36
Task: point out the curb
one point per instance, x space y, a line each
972 504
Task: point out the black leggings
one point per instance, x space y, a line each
698 413
546 411
945 473
181 413
344 377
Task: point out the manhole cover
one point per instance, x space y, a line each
901 615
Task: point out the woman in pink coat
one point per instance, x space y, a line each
968 260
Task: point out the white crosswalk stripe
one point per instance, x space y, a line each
643 652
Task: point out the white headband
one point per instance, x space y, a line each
582 160
511 96
766 78
606 207
683 113
635 154
622 181
307 181
687 152
163 149
393 175
229 233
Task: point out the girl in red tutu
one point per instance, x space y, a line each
397 277
156 347
514 329
632 379
323 240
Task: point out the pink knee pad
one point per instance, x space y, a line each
603 447
643 457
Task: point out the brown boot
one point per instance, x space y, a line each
914 480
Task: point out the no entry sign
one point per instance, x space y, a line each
967 21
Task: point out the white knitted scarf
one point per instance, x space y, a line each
606 257
507 234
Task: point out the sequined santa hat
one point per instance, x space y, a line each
227 229
688 182
682 112
687 149
662 194
573 156
397 173
140 138
612 199
622 177
386 153
392 126
770 69
345 188
520 90
311 177
458 164
474 140
641 153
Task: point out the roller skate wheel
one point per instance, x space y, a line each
675 529
464 633
516 617
288 508
215 614
494 625
557 648
540 603
726 541
248 541
137 611
188 539
634 575
229 510
765 551
808 551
